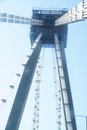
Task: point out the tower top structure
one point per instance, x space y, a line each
48 16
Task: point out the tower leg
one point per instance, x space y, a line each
24 87
65 86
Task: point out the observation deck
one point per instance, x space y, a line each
48 16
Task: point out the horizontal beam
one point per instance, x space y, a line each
76 14
10 18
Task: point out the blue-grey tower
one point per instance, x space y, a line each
47 27
44 31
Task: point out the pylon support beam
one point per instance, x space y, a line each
10 18
78 13
24 87
65 86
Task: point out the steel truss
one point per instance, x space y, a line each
10 18
76 14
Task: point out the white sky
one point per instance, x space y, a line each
14 46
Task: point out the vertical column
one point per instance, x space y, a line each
65 86
37 97
24 87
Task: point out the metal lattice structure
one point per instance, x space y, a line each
76 14
47 27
